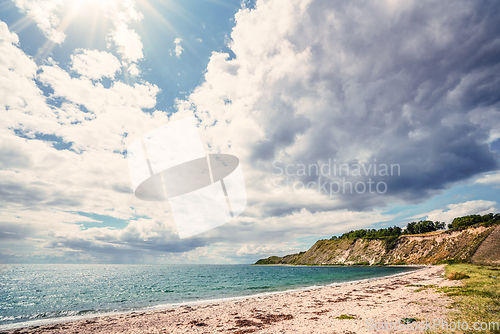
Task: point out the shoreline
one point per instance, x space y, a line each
59 320
191 316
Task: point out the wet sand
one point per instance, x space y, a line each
306 311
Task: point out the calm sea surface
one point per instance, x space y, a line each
35 294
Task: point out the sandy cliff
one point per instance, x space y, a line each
409 249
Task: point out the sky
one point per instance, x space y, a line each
343 115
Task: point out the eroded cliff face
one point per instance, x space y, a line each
411 249
488 252
440 246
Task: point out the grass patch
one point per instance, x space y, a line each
425 287
345 316
478 298
450 261
448 289
365 263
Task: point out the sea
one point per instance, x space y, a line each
37 294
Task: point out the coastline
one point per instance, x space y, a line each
280 310
74 318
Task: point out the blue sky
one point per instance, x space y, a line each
300 82
203 27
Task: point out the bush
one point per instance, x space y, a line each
372 233
270 260
423 226
456 275
390 242
390 234
365 263
450 261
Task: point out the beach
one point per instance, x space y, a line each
344 308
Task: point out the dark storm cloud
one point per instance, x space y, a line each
12 158
126 245
37 194
11 192
380 82
403 85
283 126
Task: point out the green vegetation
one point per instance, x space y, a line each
425 287
392 246
475 220
423 226
393 233
269 260
390 242
345 316
371 233
390 235
478 298
449 261
456 276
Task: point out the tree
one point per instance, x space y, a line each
466 221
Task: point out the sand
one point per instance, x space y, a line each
305 311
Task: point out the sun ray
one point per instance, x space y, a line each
172 7
93 29
179 11
44 51
21 24
49 45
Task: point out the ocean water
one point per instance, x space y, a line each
37 294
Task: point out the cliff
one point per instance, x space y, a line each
488 252
428 248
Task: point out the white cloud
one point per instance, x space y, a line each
95 64
45 13
133 70
276 231
178 48
111 112
493 179
479 207
94 96
36 178
309 81
6 35
128 42
19 94
265 250
301 89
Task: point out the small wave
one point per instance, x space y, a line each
259 287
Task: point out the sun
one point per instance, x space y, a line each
95 10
